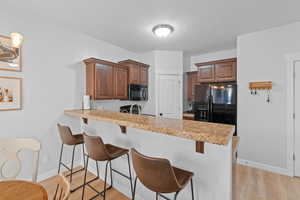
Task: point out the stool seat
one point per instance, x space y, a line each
114 151
67 137
77 139
183 176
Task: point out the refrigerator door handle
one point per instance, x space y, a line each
210 119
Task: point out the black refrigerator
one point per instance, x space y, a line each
216 103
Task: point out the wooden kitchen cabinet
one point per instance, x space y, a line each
137 72
144 75
191 83
217 71
206 74
106 80
225 72
121 82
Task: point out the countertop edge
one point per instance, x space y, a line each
166 131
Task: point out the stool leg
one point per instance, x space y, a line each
156 196
134 188
111 176
192 188
176 194
84 180
60 157
72 163
105 180
97 166
131 187
83 153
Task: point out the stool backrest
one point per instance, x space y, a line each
65 134
62 191
95 148
156 174
10 148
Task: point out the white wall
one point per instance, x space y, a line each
262 126
53 74
169 62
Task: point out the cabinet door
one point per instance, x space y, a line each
191 82
104 81
121 83
206 73
194 83
225 72
144 76
134 74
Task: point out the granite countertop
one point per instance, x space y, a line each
199 131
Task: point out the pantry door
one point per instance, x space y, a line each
169 96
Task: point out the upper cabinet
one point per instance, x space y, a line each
225 71
144 75
217 71
137 72
191 83
121 82
206 73
106 80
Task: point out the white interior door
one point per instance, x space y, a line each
297 118
169 96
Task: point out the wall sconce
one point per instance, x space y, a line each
11 51
16 40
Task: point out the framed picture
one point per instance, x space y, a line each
10 57
10 93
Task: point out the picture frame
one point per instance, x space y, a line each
10 93
10 58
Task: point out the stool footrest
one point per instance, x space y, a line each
80 186
95 190
120 173
163 196
79 170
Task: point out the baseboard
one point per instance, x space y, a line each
265 167
53 172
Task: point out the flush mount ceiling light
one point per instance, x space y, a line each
162 30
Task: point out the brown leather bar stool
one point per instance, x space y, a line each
99 151
68 138
159 176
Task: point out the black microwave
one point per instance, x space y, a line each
138 92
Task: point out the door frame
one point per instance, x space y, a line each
291 59
180 77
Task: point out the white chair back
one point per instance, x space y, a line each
10 148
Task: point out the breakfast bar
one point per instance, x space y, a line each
204 148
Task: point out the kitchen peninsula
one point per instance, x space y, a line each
211 162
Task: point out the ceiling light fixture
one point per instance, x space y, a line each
162 30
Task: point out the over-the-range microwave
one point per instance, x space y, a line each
137 92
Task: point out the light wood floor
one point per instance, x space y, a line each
248 184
